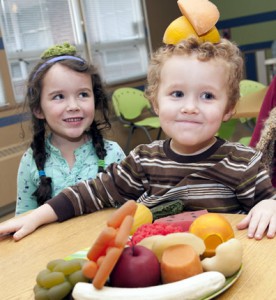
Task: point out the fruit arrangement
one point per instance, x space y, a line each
164 261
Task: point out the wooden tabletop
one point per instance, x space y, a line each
21 261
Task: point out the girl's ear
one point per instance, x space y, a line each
38 113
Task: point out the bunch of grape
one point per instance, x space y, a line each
59 279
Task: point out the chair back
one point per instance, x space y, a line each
250 86
129 103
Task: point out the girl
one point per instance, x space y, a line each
64 92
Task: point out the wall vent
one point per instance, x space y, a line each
14 149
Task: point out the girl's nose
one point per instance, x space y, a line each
73 105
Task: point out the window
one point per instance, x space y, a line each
116 37
29 27
2 92
114 29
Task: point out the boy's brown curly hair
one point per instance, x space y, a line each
224 51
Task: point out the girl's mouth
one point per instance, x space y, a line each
73 120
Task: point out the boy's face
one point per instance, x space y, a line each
192 101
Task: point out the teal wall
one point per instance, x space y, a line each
237 8
250 23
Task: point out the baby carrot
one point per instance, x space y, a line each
124 231
103 241
116 219
106 267
100 260
89 269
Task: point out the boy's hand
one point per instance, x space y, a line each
21 226
261 217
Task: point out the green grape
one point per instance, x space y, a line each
52 279
59 291
77 277
41 275
51 265
67 267
40 293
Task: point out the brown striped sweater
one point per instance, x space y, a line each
228 178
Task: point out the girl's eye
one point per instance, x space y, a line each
58 97
177 94
207 96
83 95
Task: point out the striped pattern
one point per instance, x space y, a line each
228 177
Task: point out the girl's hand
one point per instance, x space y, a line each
261 217
23 225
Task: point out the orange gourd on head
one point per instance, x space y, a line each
214 229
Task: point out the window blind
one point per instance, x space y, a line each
114 29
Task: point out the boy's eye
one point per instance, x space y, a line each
207 95
58 97
178 94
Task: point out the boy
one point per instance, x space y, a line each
193 87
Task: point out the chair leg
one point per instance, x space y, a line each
130 133
147 133
159 133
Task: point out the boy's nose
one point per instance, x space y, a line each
189 106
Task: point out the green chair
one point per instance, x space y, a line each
227 129
250 86
135 112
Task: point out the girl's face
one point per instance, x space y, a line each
67 103
192 101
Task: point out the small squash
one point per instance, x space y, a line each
214 229
228 258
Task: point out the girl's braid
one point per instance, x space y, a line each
44 190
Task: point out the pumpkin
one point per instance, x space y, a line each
214 229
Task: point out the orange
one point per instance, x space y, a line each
181 29
143 215
214 229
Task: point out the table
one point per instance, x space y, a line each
21 261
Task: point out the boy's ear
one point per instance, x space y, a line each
227 116
155 108
39 113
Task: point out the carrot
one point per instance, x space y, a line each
124 231
116 219
179 262
89 269
106 267
103 241
100 260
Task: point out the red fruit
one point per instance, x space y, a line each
136 267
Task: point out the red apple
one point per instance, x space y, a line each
136 267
